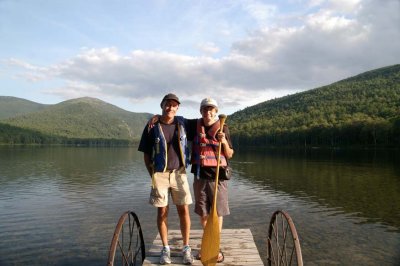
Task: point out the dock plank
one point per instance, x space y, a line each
237 244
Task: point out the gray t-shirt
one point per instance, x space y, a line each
171 136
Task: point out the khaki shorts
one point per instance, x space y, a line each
204 196
174 183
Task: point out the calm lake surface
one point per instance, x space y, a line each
60 205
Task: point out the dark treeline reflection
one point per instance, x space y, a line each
67 162
362 183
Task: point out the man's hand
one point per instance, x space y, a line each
149 164
224 142
152 122
221 137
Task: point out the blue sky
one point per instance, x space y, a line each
131 53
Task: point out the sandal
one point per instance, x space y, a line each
221 256
198 256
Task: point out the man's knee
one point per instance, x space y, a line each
162 213
183 210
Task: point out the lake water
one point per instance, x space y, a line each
60 205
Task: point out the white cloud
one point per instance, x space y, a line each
347 6
261 12
315 3
19 63
74 89
327 21
336 41
208 48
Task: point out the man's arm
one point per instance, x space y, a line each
224 137
146 146
148 162
191 127
152 121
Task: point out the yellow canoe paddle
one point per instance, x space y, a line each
211 235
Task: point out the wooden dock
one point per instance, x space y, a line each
237 244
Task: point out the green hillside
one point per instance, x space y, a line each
361 110
82 118
12 106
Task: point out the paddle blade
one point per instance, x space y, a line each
210 241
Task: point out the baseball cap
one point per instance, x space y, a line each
170 96
209 102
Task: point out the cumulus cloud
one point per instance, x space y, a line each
327 21
347 6
261 12
208 48
339 39
73 89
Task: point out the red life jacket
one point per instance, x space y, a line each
205 146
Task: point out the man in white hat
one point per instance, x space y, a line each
207 137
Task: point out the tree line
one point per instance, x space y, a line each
359 111
365 133
12 135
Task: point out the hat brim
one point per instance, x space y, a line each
209 105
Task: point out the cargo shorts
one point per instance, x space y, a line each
172 182
204 196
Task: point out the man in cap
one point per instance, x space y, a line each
166 157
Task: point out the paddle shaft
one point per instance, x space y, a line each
222 119
211 235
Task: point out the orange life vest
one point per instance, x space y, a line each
205 146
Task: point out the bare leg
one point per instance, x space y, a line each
220 221
203 221
162 224
184 219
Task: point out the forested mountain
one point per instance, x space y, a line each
13 106
362 110
82 120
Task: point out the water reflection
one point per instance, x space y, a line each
59 206
363 184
